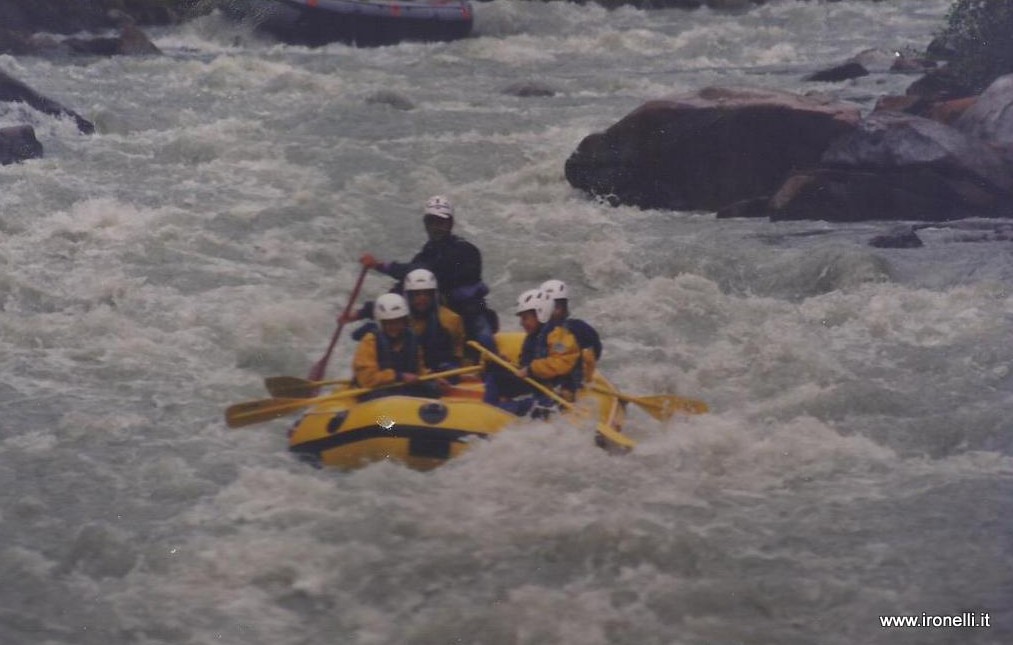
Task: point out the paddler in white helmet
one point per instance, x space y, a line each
390 353
439 330
550 355
586 335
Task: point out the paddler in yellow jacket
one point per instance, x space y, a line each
390 354
550 355
439 330
586 335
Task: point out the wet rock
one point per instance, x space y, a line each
707 150
990 118
904 237
15 43
942 111
746 208
876 60
528 89
843 72
949 112
912 65
941 48
887 140
18 143
131 42
13 90
905 103
898 166
941 84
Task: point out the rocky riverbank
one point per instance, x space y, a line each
942 151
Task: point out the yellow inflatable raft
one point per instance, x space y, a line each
421 432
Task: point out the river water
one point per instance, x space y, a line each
858 461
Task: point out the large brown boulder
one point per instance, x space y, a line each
899 167
709 149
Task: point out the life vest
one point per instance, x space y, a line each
437 345
536 346
589 343
405 359
585 334
399 360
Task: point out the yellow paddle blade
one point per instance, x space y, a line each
660 406
251 412
293 387
663 406
614 436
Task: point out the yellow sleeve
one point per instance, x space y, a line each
563 355
366 365
455 327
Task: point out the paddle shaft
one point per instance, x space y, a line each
318 370
251 412
294 387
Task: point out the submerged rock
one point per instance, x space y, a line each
529 89
843 72
391 99
18 143
904 237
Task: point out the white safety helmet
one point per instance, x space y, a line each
538 301
390 306
556 289
439 206
419 280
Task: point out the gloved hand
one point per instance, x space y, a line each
367 260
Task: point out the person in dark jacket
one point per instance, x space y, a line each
587 337
457 265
